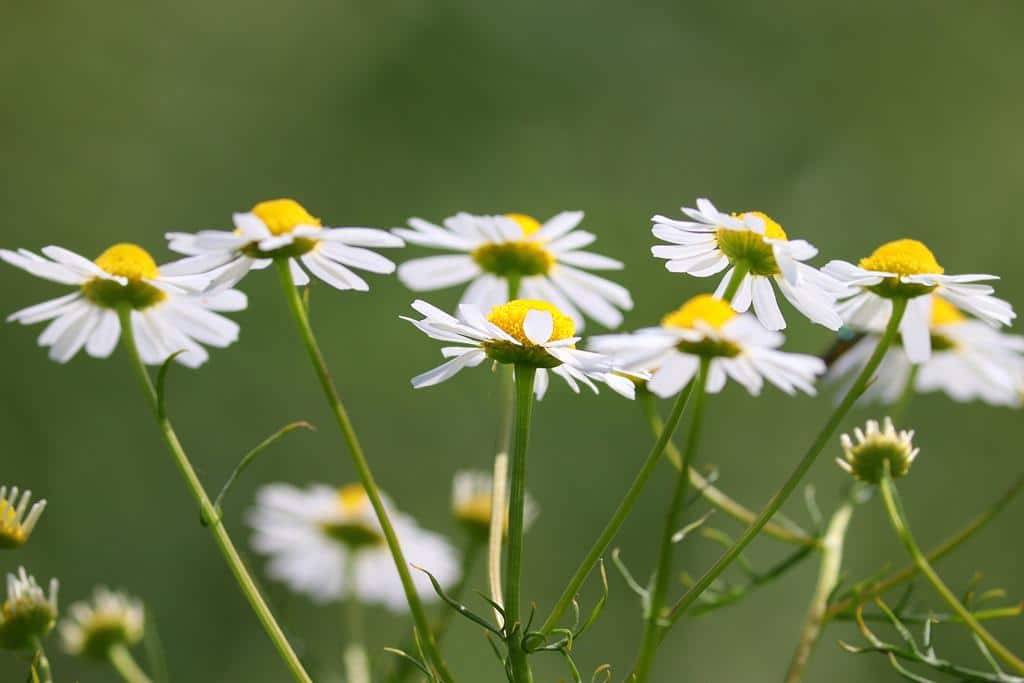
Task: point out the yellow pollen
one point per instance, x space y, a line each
283 215
771 228
352 498
128 260
476 510
945 313
704 308
903 257
510 317
529 224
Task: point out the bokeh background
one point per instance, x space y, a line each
850 123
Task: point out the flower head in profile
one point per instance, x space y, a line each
28 613
111 619
755 246
169 312
282 229
18 516
472 495
907 269
970 360
521 332
738 346
874 450
544 259
324 542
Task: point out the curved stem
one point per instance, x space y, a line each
715 496
899 306
899 522
620 514
938 552
517 496
207 510
348 432
653 626
828 578
123 662
900 407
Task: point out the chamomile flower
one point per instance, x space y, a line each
754 245
323 542
169 312
110 620
471 502
523 332
873 450
282 229
738 345
544 259
907 269
28 613
18 517
970 361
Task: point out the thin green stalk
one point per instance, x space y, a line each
938 552
900 407
123 662
899 306
207 509
39 658
620 514
828 578
902 527
357 664
662 574
739 272
348 432
517 497
718 498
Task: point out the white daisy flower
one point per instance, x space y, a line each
970 361
169 312
317 536
111 619
523 331
471 502
706 327
907 269
543 259
283 229
18 517
28 613
755 246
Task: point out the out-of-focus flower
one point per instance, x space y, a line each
110 619
18 516
471 502
28 613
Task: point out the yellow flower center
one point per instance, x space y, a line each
475 511
529 224
903 257
128 261
352 529
704 308
748 248
945 313
353 499
12 534
514 260
284 215
511 316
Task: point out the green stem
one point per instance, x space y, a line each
39 658
123 662
517 496
419 615
900 407
662 574
879 587
828 578
739 272
207 510
899 523
780 497
620 514
718 498
357 664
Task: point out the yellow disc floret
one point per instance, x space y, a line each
903 257
529 224
475 511
133 263
704 308
353 499
284 215
511 316
748 249
353 525
945 313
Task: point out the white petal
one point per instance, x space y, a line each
437 272
765 305
914 329
538 326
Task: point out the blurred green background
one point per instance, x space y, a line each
850 123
